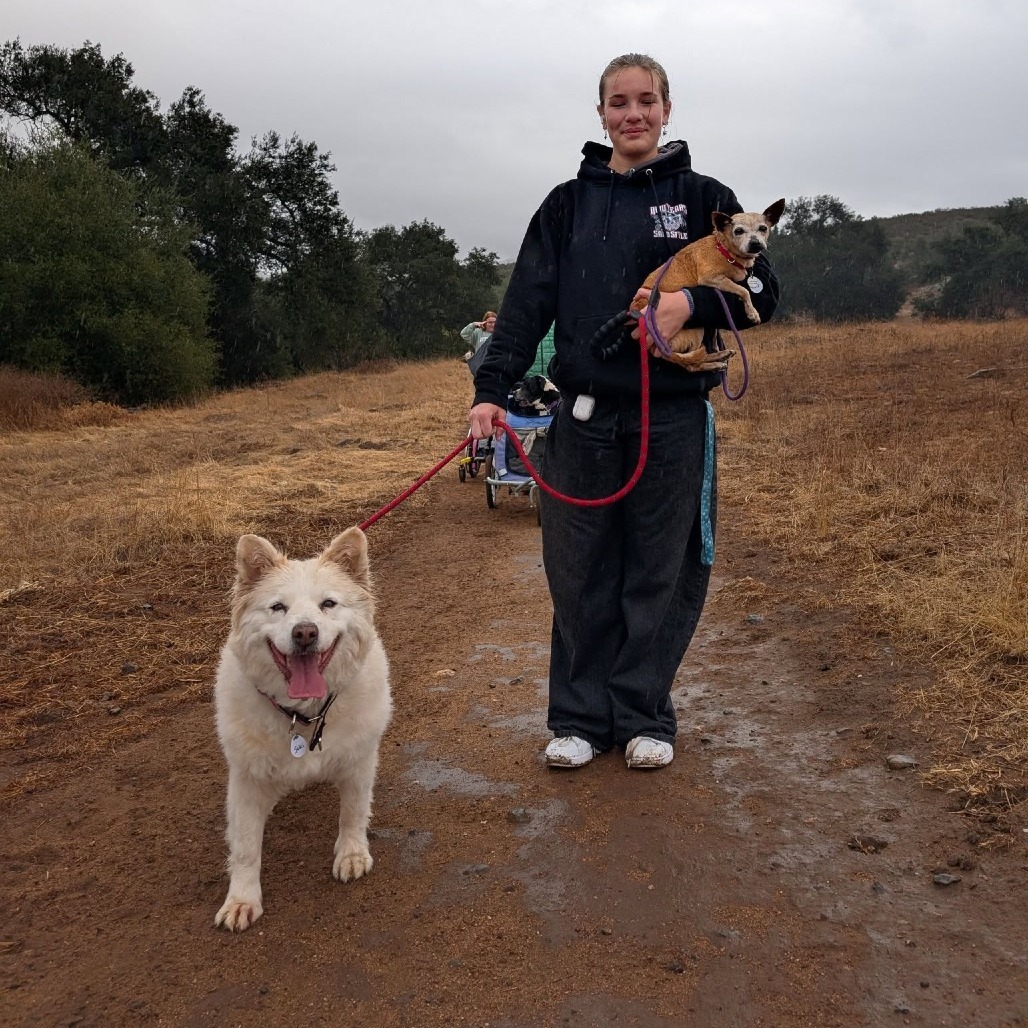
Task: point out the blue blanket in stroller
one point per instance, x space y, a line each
531 432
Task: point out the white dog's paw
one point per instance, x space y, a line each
354 864
237 915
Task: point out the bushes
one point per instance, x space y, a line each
29 401
95 282
983 271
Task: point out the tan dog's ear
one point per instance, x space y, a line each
349 550
774 213
720 220
255 557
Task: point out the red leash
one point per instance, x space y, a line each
365 525
644 446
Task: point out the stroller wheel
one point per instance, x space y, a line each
473 467
490 496
462 473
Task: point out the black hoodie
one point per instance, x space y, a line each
587 250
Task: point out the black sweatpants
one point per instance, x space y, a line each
626 580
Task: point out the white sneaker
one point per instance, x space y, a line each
569 751
644 752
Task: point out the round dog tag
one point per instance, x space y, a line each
297 745
756 286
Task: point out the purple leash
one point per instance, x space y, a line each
650 318
742 353
657 338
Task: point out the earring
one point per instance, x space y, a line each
604 130
663 131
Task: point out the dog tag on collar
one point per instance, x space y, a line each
298 745
756 286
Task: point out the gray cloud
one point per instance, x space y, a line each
467 113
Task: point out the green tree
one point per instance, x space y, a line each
481 277
833 265
293 286
314 294
90 99
229 217
983 271
318 314
266 227
95 282
423 293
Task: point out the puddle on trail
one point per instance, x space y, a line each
524 651
437 774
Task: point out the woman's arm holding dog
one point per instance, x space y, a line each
709 313
675 311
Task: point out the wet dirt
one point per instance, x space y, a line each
777 873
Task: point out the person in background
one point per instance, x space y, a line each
628 580
478 333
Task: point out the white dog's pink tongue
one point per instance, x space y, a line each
305 680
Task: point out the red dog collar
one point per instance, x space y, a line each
724 253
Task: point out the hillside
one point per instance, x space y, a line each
911 236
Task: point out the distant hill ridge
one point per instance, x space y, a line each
910 237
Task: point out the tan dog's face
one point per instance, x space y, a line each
747 234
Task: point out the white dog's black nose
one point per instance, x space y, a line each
305 634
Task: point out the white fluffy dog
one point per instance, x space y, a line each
302 696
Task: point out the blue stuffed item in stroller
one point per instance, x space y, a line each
507 471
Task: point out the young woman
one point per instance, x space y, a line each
628 581
478 333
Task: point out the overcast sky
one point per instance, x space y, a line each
467 112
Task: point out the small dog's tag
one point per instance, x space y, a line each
297 745
756 286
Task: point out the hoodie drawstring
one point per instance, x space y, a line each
610 193
656 202
660 213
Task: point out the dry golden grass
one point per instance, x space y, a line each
117 541
888 473
30 401
888 462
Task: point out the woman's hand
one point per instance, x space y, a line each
672 312
481 420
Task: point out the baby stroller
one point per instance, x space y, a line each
530 410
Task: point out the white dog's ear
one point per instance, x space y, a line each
774 213
254 558
349 550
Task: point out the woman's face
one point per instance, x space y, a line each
633 114
489 324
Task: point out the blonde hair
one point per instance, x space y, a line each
643 61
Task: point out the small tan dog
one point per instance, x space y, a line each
721 260
302 696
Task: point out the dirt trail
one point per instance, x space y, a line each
777 873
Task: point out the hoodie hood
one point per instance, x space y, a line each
671 159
